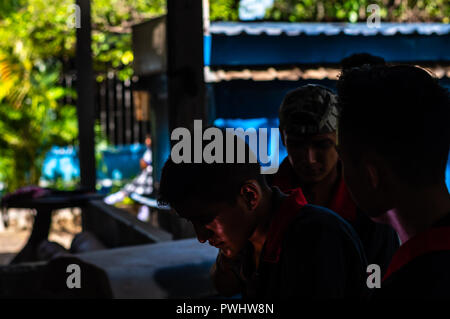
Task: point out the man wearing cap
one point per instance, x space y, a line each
308 125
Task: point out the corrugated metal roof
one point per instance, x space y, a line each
294 74
330 29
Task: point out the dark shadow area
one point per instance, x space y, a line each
5 258
50 280
184 281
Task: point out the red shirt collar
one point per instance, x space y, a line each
431 240
341 203
289 208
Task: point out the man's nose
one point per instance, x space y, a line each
203 234
311 155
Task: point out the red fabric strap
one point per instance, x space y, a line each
342 203
431 240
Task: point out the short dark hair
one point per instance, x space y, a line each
357 60
400 112
214 182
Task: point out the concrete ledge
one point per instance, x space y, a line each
117 228
175 269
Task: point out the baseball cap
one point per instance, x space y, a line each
309 109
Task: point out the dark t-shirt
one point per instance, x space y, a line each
421 267
309 252
380 241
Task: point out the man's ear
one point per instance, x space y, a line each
251 193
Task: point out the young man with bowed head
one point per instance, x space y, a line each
263 235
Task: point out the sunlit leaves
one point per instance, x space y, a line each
224 10
355 10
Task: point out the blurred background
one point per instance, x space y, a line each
38 126
253 53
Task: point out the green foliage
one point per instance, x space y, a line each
37 47
355 10
339 10
6 7
224 10
32 116
111 34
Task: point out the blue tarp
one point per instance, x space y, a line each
120 162
61 162
329 29
273 43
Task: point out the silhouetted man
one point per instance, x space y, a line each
394 138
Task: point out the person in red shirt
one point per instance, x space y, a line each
263 235
394 138
308 124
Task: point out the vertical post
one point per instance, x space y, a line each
124 113
131 108
115 112
141 131
185 62
135 121
85 100
107 109
159 126
185 68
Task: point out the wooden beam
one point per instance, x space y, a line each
185 63
86 99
